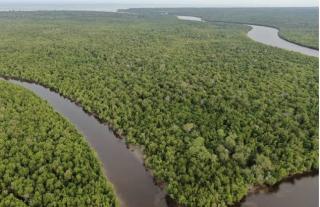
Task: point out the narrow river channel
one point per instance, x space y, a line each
133 184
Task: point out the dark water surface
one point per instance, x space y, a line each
297 192
133 184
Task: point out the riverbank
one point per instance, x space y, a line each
263 25
138 153
40 147
123 165
269 189
268 35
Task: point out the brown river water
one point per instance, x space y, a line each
295 192
133 184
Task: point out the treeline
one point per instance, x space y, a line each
299 25
44 161
214 111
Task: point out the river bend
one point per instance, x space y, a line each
134 186
268 36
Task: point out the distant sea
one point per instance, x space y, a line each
108 7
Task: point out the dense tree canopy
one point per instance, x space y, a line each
44 161
214 112
298 25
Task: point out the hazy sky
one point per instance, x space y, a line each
181 2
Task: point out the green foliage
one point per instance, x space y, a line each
43 160
300 25
214 111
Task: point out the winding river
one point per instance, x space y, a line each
268 36
134 185
124 168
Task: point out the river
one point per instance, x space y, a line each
133 184
268 36
294 192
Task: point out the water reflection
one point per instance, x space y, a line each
269 36
133 184
294 192
190 18
265 35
